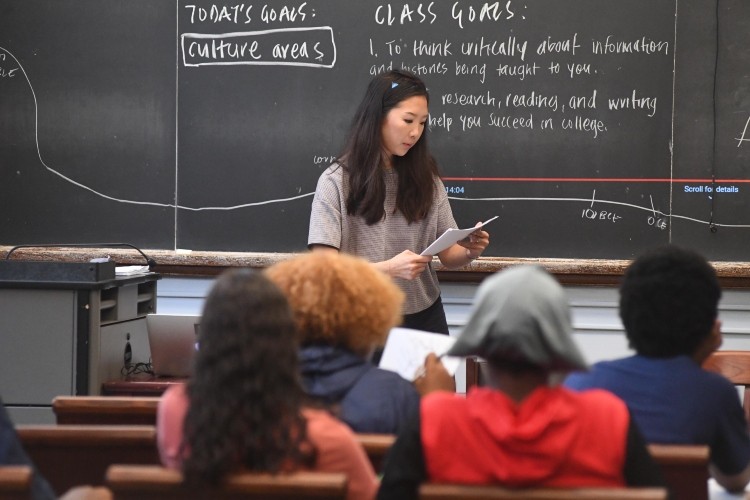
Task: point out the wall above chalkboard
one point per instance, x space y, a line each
593 128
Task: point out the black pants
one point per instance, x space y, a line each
431 319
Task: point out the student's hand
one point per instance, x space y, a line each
434 377
475 243
407 265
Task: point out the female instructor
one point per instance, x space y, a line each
383 199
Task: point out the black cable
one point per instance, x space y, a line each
711 225
136 369
151 262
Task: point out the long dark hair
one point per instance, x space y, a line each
245 394
362 157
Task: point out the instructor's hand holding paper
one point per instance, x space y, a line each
473 239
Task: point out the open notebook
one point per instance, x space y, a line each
173 342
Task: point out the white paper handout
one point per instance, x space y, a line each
451 236
406 349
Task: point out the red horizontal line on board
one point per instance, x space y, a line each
587 179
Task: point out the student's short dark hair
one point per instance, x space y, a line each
669 301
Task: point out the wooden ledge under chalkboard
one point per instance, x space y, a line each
207 263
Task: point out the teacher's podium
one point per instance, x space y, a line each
64 329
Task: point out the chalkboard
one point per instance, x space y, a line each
593 128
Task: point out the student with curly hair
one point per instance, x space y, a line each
669 301
384 201
242 408
344 309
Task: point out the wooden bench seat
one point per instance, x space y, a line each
684 468
128 482
15 482
435 491
734 366
105 410
129 410
376 447
72 455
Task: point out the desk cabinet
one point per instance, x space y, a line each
58 339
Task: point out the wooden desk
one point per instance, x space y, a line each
146 385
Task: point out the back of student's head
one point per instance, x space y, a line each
339 299
669 301
245 394
521 322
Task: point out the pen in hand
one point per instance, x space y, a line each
420 372
433 376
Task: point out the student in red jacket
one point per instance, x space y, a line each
524 430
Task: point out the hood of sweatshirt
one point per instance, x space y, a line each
329 372
515 443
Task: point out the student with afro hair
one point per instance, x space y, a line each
344 309
669 306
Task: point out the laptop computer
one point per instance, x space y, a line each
173 342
